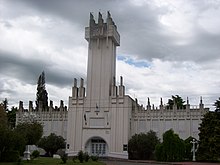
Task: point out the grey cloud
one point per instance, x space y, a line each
141 32
28 70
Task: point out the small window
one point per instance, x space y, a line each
68 146
125 147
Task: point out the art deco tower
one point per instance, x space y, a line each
103 39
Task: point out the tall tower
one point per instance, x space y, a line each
98 123
103 39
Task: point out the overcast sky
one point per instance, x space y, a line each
167 47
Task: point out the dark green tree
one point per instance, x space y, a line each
52 143
171 149
209 137
11 143
142 146
42 96
3 116
217 105
177 100
31 132
5 104
11 115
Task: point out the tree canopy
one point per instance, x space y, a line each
209 137
11 115
9 139
171 149
31 132
3 116
52 143
217 105
179 102
142 146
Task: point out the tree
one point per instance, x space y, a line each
3 116
171 149
42 97
5 104
217 105
31 132
52 143
142 146
12 117
209 137
179 102
11 142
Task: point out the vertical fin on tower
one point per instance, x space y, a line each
20 108
75 89
201 105
81 88
91 20
121 87
100 19
30 106
187 104
148 104
114 88
161 103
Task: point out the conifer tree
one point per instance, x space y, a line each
42 93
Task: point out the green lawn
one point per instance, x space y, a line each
51 161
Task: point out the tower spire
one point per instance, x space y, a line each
91 20
100 20
101 59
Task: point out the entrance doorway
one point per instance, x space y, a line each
97 146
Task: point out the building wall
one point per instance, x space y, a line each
108 120
54 120
184 122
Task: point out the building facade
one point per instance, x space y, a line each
101 118
54 120
102 121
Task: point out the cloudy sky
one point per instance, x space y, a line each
167 47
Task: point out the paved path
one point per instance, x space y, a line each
112 162
118 162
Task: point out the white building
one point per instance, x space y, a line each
101 118
102 121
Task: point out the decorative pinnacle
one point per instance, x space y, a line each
201 100
109 15
91 21
75 82
148 101
121 81
91 16
100 20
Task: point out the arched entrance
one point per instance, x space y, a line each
96 146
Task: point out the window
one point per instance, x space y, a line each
125 147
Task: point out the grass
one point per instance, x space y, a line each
52 161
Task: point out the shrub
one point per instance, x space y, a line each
94 158
81 156
64 158
10 156
142 146
86 156
74 159
35 154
